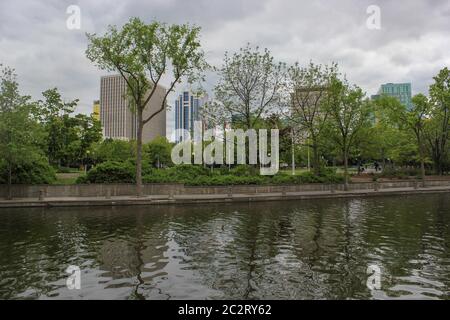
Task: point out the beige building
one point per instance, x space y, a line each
118 121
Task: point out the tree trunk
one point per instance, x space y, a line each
293 156
316 159
422 161
437 164
345 154
139 152
9 181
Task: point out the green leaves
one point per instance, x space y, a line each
68 137
20 133
144 53
250 84
158 152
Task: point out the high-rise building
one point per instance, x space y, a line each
96 110
401 91
187 111
118 121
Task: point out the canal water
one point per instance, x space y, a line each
318 249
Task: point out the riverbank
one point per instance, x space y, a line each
176 199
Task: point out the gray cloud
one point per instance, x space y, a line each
412 45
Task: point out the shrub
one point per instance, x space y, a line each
188 172
82 179
180 174
158 152
113 150
243 170
195 175
110 172
36 172
285 179
402 173
227 180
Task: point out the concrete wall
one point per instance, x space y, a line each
96 190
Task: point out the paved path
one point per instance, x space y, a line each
210 198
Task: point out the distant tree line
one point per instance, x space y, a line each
43 137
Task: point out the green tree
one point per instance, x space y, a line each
143 54
250 84
307 90
438 128
349 113
392 136
54 113
20 134
113 150
88 131
415 120
158 152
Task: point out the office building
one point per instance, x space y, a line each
401 91
308 101
187 111
118 121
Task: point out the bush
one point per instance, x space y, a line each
401 173
195 175
36 172
227 180
180 174
308 177
329 175
113 150
244 170
82 179
188 172
110 172
158 152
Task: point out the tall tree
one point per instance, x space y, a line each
214 115
307 91
438 131
250 84
113 150
53 112
86 130
142 54
158 152
20 134
414 120
349 113
390 136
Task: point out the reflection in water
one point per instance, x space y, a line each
293 250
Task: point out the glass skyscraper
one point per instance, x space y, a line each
187 110
402 91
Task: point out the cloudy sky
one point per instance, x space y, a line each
411 46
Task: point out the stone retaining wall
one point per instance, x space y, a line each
97 190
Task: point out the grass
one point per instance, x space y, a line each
67 178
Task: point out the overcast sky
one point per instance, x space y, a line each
411 46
